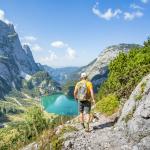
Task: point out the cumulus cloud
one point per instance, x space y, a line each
59 44
30 38
2 17
51 58
129 16
50 51
71 54
37 48
107 15
21 38
15 27
83 52
134 6
27 44
144 1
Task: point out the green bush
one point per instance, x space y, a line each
108 104
34 117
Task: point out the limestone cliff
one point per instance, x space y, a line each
15 59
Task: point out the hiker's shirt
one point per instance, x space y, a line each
88 84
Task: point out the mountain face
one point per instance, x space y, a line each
59 74
15 60
40 66
98 71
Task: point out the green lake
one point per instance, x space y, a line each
60 104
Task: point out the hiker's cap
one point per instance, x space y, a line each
83 75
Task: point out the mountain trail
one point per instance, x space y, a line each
16 101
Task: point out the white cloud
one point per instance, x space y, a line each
71 53
134 6
144 1
51 58
27 44
2 17
107 15
37 48
15 27
83 52
129 16
30 38
50 51
21 38
59 44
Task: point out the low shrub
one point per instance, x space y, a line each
108 104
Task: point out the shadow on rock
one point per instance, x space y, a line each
102 126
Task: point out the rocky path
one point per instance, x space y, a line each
16 101
100 136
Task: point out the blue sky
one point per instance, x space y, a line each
74 32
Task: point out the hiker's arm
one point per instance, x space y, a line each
75 94
92 94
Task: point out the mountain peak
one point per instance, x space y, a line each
27 49
11 27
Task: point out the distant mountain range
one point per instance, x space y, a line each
59 74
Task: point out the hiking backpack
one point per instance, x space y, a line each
82 92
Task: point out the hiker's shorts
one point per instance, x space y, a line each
86 105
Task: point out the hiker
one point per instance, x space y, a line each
84 88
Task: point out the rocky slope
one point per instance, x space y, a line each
130 132
59 74
40 66
15 60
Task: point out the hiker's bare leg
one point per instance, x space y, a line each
87 118
81 117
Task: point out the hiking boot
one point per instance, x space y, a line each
87 127
82 125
